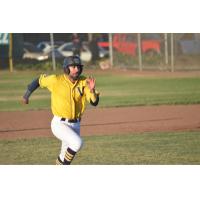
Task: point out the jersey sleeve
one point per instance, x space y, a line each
92 98
46 81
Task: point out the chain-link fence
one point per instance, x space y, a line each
138 51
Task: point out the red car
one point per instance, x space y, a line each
127 43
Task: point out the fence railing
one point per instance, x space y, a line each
138 51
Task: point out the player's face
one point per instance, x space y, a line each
74 72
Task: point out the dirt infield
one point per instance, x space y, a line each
103 121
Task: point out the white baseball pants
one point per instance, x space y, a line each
68 133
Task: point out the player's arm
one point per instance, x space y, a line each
94 100
94 96
30 89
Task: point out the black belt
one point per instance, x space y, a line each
71 120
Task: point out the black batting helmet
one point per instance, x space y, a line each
72 61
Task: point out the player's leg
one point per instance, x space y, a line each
66 153
60 159
71 140
71 144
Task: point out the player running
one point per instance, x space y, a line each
69 92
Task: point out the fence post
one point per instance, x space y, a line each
89 37
139 51
172 52
166 49
53 52
110 49
10 56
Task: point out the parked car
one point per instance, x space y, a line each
46 47
127 43
103 52
86 55
32 52
57 53
189 43
67 50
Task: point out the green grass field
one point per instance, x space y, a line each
140 148
116 91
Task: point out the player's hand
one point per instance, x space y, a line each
25 100
91 83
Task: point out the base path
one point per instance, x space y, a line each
104 121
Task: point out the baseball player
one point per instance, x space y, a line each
69 93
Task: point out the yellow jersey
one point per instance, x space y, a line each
68 100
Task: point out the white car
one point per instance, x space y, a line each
46 46
67 50
33 53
